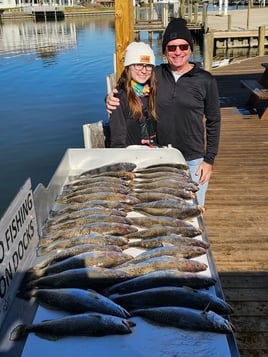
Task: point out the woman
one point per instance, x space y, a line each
134 121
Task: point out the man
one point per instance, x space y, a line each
187 105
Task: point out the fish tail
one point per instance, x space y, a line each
20 332
130 323
34 274
26 294
42 250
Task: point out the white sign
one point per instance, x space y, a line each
18 242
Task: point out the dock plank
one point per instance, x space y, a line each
236 208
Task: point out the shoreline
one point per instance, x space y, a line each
236 20
67 13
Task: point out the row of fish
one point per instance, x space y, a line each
87 269
93 314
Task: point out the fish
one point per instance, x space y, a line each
164 175
148 184
105 259
168 277
163 168
92 218
170 207
103 203
96 186
76 301
181 251
111 228
172 239
186 318
172 296
163 203
96 239
178 192
181 212
83 278
86 324
67 195
63 253
93 181
118 174
84 212
177 165
75 207
182 227
120 166
164 221
103 195
148 196
163 262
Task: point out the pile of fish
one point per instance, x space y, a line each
122 243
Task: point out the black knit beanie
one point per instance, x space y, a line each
177 28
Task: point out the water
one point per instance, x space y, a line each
53 80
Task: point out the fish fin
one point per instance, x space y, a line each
164 244
206 309
232 327
93 293
47 336
189 288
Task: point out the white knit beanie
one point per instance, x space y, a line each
139 52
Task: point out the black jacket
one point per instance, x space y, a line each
181 108
126 130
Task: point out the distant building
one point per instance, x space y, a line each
8 4
109 3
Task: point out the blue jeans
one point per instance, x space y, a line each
201 193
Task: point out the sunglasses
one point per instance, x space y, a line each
172 48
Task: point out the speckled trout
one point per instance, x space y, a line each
76 301
111 228
186 318
83 278
104 259
83 213
91 218
71 250
118 166
172 239
182 251
172 296
46 245
168 277
163 262
87 324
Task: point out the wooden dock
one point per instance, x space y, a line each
236 217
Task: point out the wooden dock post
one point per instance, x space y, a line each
196 13
261 40
248 15
205 17
165 15
190 13
208 50
124 31
229 23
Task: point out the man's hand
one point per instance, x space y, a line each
112 102
204 171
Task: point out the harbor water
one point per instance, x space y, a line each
53 80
